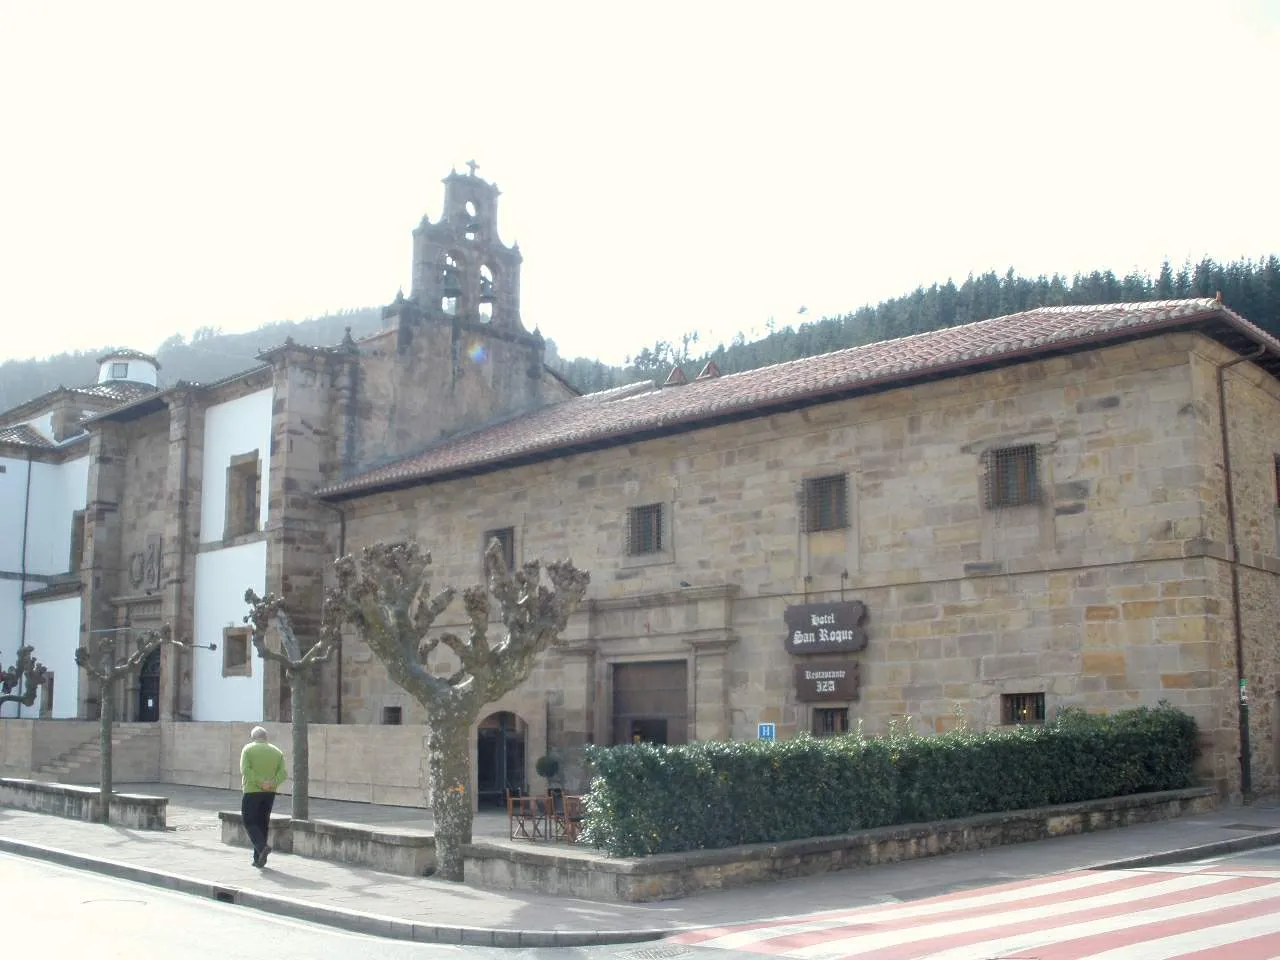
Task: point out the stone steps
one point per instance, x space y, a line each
82 763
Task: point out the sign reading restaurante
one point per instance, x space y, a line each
821 680
826 627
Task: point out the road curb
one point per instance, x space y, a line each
1267 838
393 928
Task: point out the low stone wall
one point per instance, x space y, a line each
411 853
279 837
83 803
577 873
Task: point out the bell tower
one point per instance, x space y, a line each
460 267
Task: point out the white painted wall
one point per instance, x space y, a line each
139 371
53 628
10 633
231 429
57 491
222 576
13 498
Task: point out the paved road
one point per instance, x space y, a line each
56 912
1225 908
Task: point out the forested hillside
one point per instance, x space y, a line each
1248 287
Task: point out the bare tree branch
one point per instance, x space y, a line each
383 597
27 675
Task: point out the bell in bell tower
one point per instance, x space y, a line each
460 267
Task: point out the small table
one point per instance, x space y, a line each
530 818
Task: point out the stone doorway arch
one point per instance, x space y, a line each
501 753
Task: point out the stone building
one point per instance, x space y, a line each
44 468
989 522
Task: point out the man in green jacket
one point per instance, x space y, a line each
262 771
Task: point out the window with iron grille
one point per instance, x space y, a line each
830 721
506 537
1022 708
826 503
644 530
119 371
1012 476
391 716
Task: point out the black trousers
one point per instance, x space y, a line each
255 811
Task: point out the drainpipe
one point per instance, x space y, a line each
1233 550
180 592
342 550
22 584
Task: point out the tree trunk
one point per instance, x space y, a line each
106 701
449 769
298 689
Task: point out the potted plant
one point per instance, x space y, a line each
547 767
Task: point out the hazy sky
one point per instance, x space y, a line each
664 166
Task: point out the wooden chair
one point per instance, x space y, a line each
565 815
527 817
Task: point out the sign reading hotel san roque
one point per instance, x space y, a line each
818 680
826 627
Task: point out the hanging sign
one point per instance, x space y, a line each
818 680
826 627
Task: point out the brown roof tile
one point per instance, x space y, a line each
614 415
24 436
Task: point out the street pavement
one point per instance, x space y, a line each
189 857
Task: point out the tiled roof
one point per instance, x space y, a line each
121 391
616 415
24 436
126 354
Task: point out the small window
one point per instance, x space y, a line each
830 721
392 716
1278 481
1012 477
77 542
244 478
119 371
826 503
644 530
506 537
236 658
1020 708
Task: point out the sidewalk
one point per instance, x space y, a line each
190 857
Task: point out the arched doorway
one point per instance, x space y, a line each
149 688
500 758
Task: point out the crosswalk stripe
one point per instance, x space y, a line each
1184 887
1134 937
1000 946
1197 941
1036 908
1064 939
1264 947
964 900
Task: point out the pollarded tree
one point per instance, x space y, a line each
299 666
27 676
98 660
386 597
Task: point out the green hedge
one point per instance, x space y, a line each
648 799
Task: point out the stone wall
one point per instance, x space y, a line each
364 763
1253 417
429 378
1104 595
